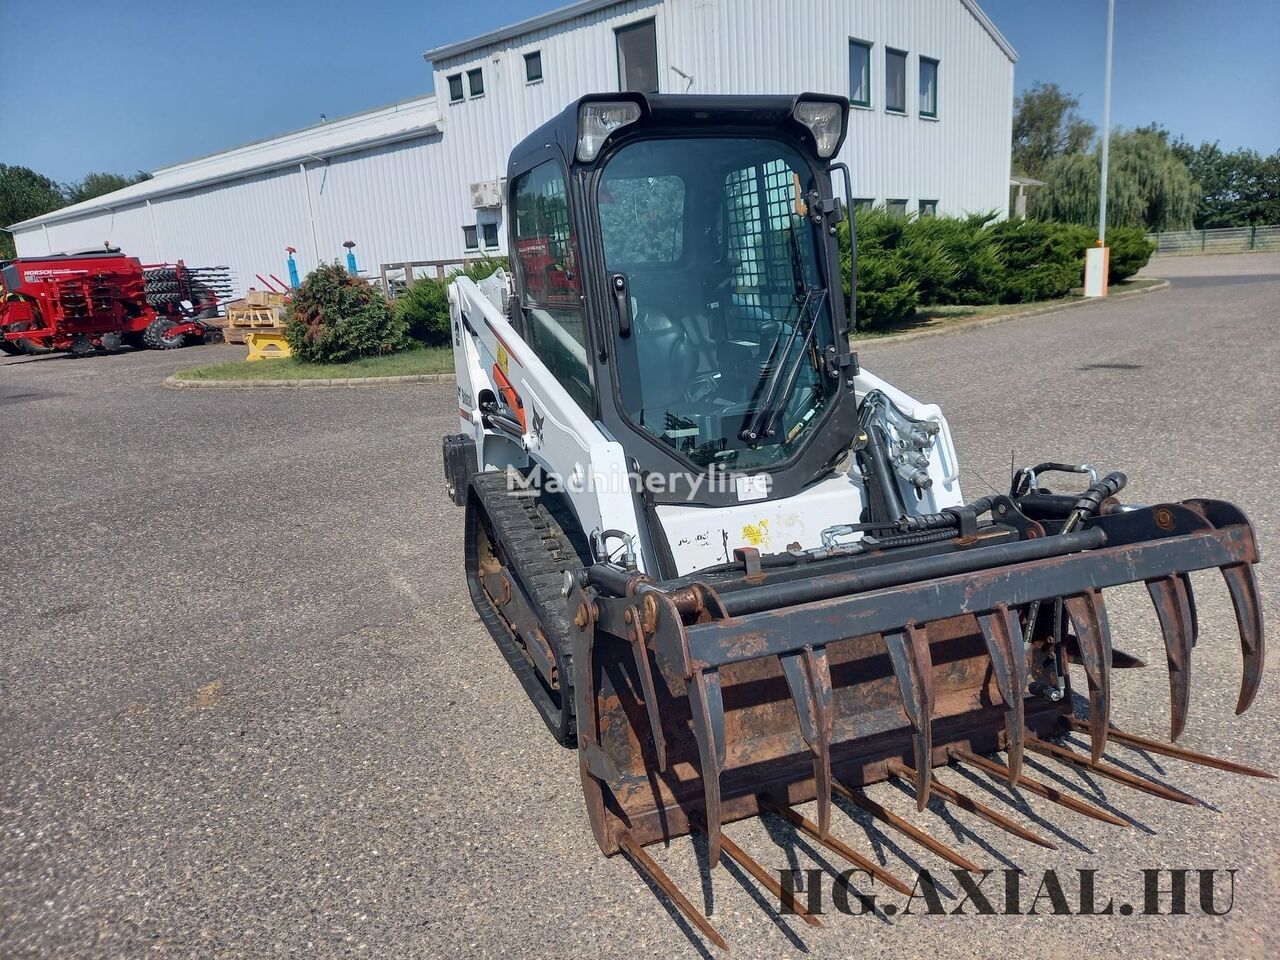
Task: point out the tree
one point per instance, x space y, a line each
23 194
1148 185
1046 126
97 184
1238 188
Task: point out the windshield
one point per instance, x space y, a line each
730 312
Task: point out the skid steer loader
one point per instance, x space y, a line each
730 566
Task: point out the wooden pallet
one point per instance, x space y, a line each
264 298
241 314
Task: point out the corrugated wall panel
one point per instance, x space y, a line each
578 56
244 224
760 46
127 228
410 200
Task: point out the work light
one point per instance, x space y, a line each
825 120
596 121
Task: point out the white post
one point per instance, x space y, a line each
1095 259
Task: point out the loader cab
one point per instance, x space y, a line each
677 269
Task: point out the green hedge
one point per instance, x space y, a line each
423 308
335 317
906 263
424 305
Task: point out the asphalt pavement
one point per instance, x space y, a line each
246 708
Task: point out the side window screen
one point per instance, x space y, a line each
767 235
642 219
550 286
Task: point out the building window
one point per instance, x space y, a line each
862 204
928 87
895 81
859 73
469 238
475 82
638 57
928 208
455 88
490 231
533 67
897 208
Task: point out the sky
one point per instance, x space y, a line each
134 84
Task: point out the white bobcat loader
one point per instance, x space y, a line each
729 566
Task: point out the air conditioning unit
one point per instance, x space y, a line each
486 195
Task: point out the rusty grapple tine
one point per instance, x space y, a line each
1191 603
1173 608
707 706
913 666
1001 631
1089 619
1243 587
640 652
646 864
808 675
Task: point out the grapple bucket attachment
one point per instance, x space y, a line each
701 703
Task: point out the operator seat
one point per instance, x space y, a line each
667 362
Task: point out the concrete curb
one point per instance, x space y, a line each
977 324
174 383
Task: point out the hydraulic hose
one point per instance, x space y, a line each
916 539
1085 507
1091 500
875 457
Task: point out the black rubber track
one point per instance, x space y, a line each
538 541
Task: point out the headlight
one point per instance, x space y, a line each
825 121
596 121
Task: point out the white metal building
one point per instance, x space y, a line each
931 82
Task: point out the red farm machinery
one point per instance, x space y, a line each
101 300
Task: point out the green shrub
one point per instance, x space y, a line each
887 294
978 272
1043 260
423 308
335 317
888 288
480 268
929 264
1130 251
906 262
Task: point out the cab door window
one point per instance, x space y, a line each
550 282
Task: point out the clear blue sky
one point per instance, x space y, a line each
122 85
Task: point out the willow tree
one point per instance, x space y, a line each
1148 185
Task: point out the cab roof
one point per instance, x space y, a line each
672 111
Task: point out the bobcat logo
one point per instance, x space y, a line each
538 421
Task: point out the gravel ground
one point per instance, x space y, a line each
246 708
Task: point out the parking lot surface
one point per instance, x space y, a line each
246 708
